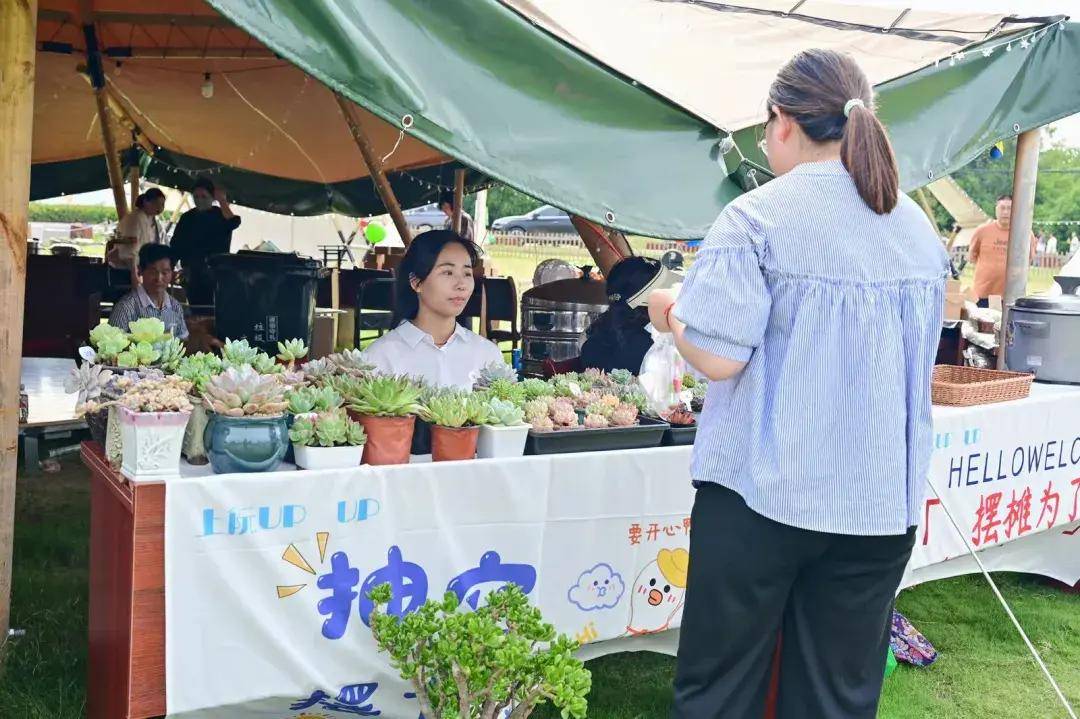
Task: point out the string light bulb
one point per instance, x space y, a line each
207 86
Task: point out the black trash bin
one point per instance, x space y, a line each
264 297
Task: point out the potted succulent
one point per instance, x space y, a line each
291 351
307 402
386 406
246 431
197 369
90 380
153 414
502 657
504 433
327 440
455 419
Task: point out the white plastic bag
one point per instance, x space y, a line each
661 374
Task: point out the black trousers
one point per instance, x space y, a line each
750 578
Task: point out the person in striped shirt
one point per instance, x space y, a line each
814 306
151 297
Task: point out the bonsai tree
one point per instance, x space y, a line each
474 665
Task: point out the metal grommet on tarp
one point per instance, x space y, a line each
609 216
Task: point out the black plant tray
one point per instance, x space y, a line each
647 433
421 439
679 435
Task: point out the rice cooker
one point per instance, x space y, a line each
1043 337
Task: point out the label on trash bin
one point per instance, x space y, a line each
1034 361
271 328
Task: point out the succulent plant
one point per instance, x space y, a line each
138 355
689 381
584 399
679 415
494 371
265 364
624 415
167 394
198 369
319 370
292 350
536 388
596 421
89 380
479 409
563 414
503 413
238 352
172 351
379 395
327 429
243 392
313 399
635 395
601 408
621 376
509 391
566 385
536 409
610 400
108 341
448 408
351 361
543 424
148 329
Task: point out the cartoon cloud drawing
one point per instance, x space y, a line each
598 588
658 593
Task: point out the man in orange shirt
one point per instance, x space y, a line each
989 252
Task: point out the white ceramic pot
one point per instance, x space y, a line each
328 457
501 441
151 444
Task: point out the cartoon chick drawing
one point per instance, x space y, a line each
659 592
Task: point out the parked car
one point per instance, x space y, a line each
544 220
426 217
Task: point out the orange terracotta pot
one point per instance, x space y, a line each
453 443
388 438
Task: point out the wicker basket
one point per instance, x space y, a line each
965 386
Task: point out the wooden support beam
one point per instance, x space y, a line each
606 246
18 27
459 198
1025 174
375 169
133 180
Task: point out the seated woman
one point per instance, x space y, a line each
619 338
434 283
151 297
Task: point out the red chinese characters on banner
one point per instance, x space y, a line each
1076 495
636 534
1018 519
986 521
1049 498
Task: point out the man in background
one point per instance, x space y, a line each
446 204
203 232
989 252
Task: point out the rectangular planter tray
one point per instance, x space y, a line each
678 436
646 434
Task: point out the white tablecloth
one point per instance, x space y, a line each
264 573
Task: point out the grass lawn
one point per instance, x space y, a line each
984 670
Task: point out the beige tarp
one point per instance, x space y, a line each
265 114
717 60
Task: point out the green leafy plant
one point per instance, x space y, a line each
172 351
503 413
446 409
243 392
621 376
327 429
292 350
108 342
492 372
478 408
313 399
566 385
350 361
537 388
379 395
238 352
148 329
265 364
198 369
509 391
475 665
319 371
137 355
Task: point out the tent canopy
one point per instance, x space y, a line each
611 109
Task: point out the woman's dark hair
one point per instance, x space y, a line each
205 183
625 280
814 87
150 195
446 198
418 262
153 252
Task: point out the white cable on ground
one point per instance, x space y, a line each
1005 605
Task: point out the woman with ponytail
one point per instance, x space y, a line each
815 306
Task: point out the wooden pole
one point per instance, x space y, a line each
925 202
606 246
1025 174
18 29
375 169
133 179
459 198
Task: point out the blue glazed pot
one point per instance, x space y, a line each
245 444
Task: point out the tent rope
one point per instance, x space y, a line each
1005 605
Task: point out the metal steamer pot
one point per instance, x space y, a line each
1043 337
553 318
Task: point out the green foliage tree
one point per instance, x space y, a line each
473 665
88 214
502 201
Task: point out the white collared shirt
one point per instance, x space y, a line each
410 351
144 228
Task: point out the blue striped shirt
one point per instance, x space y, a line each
837 312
